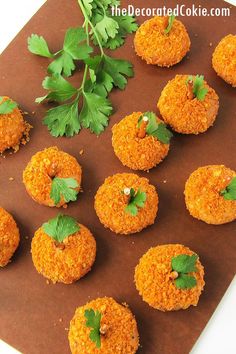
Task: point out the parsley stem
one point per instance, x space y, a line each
91 25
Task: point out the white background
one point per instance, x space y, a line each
219 335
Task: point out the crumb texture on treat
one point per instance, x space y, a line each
224 59
184 115
203 195
9 237
110 204
13 130
43 167
157 48
64 264
134 152
121 335
154 284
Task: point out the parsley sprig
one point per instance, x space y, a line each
157 129
199 91
94 322
136 200
170 24
229 193
64 187
101 72
184 264
7 106
61 227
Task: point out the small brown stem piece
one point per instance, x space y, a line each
190 93
59 245
174 275
143 127
127 194
103 329
166 22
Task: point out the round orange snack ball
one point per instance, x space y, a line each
64 262
111 203
203 195
185 114
155 47
118 329
154 282
43 167
13 128
9 237
224 59
134 152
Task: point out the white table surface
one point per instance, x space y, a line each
219 335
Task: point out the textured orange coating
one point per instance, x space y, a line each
9 237
134 152
185 115
65 264
110 204
153 279
158 48
224 59
121 335
202 195
12 129
41 169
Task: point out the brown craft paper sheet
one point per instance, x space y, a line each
30 309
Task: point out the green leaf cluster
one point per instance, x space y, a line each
94 322
137 200
184 264
87 106
111 30
7 106
64 187
61 227
229 193
157 129
199 90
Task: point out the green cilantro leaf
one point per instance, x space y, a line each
184 263
61 227
74 48
157 129
199 90
60 89
95 112
137 200
229 193
127 24
170 24
64 187
63 120
37 45
106 28
7 106
185 281
94 322
88 5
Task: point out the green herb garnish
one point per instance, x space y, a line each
199 91
229 193
61 227
64 187
184 264
170 24
86 106
136 200
157 129
7 106
94 322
